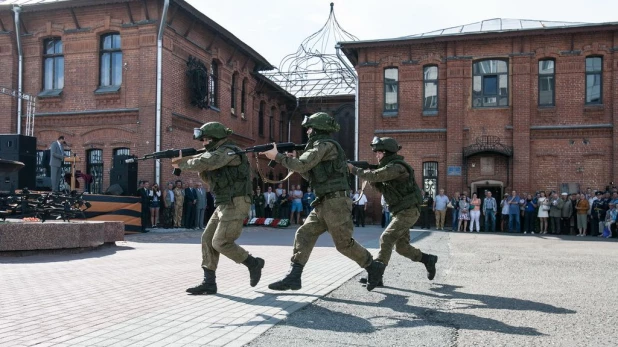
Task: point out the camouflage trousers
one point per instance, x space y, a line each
224 227
397 234
335 216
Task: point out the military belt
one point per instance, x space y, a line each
337 194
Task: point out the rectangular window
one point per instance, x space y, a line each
111 61
547 82
594 80
490 83
430 88
391 87
94 167
53 65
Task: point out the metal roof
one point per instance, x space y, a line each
28 2
496 25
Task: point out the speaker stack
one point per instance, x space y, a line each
19 148
123 174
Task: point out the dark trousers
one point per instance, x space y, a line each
555 224
189 216
145 216
359 214
594 226
268 212
529 221
566 225
425 221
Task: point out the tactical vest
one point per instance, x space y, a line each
330 175
228 182
401 195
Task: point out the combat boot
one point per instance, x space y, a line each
291 280
375 271
255 266
208 285
430 261
363 280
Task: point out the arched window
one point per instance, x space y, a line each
594 80
490 83
111 61
261 119
233 93
430 177
271 124
282 127
391 90
214 84
94 167
53 65
243 96
430 88
547 83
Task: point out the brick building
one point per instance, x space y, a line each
93 67
500 104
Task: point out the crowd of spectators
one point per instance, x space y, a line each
589 213
281 204
178 205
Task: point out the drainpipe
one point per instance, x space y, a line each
289 126
356 120
162 24
20 67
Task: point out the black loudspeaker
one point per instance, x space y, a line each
19 148
124 175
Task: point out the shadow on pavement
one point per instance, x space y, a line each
405 315
450 292
52 256
426 316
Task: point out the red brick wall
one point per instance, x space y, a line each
133 123
542 159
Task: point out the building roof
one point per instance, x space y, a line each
41 5
486 28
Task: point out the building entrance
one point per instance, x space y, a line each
496 189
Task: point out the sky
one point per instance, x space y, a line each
275 28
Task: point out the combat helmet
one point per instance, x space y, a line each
212 130
321 121
387 144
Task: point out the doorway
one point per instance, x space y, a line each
496 188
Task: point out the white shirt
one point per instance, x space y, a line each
362 201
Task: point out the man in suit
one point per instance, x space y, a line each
143 193
190 203
270 199
200 205
56 158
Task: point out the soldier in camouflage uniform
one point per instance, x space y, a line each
394 178
229 177
323 164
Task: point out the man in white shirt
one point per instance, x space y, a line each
360 206
269 199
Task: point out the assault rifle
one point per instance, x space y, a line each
168 154
363 165
283 147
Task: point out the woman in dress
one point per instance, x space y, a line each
155 197
464 213
475 214
543 204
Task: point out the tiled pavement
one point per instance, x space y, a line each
133 294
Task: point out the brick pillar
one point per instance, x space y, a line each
521 102
457 82
614 100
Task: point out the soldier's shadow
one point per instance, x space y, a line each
479 301
339 319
